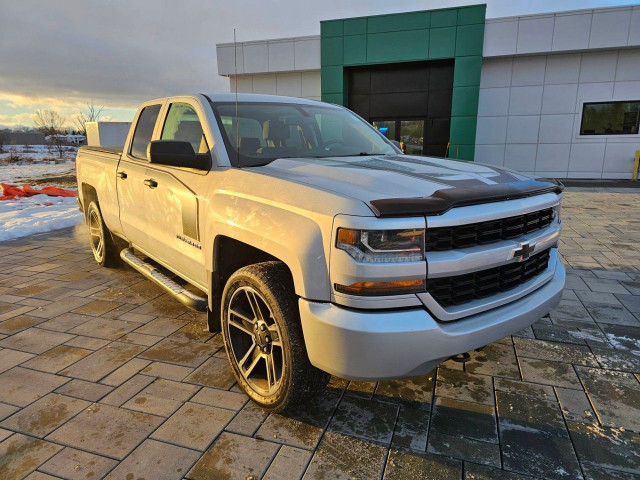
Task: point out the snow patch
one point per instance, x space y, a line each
18 174
26 216
34 162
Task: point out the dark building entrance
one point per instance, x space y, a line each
409 102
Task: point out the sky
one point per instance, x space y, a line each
59 55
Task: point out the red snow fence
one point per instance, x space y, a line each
11 192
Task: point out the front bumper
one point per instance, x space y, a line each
378 345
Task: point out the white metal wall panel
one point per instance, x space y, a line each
563 31
530 109
291 84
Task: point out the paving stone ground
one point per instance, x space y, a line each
104 376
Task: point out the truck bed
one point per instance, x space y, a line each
115 150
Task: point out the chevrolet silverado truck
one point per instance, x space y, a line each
314 244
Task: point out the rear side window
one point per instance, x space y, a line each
144 130
182 123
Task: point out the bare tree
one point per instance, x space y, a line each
51 124
91 114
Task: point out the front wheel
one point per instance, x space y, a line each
263 338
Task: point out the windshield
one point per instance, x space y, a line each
265 131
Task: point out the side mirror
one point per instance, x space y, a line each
177 153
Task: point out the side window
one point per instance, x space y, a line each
182 123
144 130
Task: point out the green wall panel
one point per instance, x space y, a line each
332 28
442 42
332 79
467 71
398 22
331 51
463 130
355 26
336 98
470 15
355 49
456 33
469 40
463 152
397 46
444 18
465 101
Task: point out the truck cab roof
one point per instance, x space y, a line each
241 97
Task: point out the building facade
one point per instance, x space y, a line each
552 95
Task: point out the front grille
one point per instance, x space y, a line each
463 236
458 289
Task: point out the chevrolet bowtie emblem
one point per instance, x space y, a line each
523 252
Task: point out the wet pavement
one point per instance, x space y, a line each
103 375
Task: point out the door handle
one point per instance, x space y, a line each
122 175
150 183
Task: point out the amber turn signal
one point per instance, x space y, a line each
348 236
382 288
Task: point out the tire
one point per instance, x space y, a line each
104 249
263 295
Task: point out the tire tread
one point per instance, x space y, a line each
306 380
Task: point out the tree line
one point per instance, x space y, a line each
53 125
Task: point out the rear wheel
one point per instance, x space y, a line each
102 245
263 338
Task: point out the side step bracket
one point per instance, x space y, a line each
184 296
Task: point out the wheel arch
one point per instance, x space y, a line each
88 194
230 255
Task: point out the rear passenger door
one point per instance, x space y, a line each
134 210
173 219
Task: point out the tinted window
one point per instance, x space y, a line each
610 118
144 130
182 123
263 132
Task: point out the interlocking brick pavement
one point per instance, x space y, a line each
102 375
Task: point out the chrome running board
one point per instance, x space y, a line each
184 296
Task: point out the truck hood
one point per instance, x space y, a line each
406 185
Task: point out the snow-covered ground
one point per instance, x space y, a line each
34 165
41 213
25 173
36 152
26 163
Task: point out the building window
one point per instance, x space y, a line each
610 118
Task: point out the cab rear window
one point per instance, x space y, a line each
144 130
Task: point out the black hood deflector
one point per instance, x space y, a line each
444 199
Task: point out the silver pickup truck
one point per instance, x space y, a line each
314 244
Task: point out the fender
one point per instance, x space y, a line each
296 237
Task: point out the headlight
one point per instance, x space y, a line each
555 212
382 246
